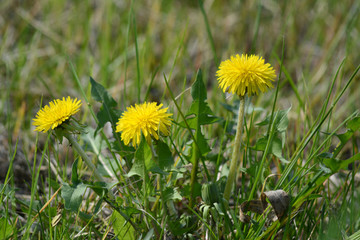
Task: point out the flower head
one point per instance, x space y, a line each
56 113
245 74
146 118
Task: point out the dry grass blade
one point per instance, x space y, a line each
46 204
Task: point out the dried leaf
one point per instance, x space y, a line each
279 201
252 206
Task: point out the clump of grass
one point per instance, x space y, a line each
299 147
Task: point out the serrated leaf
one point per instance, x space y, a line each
199 112
107 111
99 93
73 195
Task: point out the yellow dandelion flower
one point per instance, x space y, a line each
245 74
146 118
56 113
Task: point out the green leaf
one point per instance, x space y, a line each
353 125
93 140
6 229
73 195
275 147
122 228
199 112
166 159
99 93
198 90
107 112
150 164
335 164
203 144
101 188
344 137
138 168
281 121
74 174
144 162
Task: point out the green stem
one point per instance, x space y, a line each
195 162
83 155
236 150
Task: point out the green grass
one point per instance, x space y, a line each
302 136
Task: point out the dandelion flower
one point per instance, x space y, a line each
147 118
56 113
245 74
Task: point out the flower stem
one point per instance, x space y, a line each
236 150
83 155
